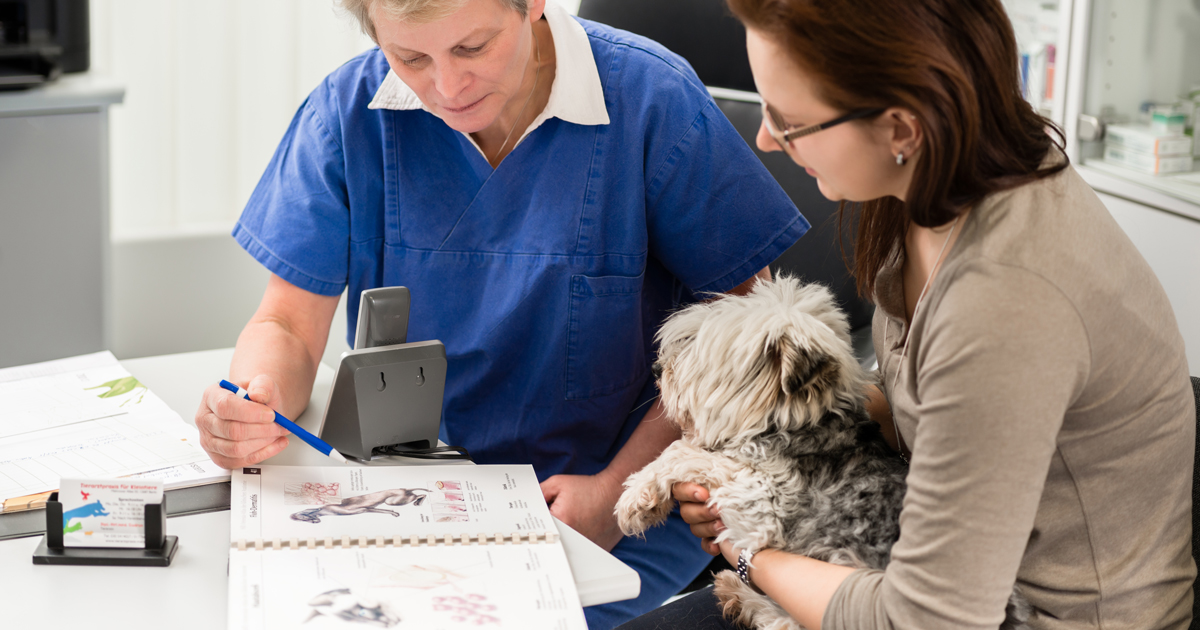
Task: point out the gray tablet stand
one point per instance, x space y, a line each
386 392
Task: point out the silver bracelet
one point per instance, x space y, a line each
743 565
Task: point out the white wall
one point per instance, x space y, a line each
189 290
211 87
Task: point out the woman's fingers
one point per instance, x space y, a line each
689 492
703 519
707 529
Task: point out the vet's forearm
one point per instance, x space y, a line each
654 434
264 347
748 285
801 585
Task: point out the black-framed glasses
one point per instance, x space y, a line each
775 125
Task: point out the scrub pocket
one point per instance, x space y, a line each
605 342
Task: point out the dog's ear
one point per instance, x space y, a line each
805 372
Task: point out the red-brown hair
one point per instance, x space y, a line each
953 63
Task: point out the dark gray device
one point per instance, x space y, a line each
382 318
386 396
385 392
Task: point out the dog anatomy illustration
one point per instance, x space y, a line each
363 504
346 606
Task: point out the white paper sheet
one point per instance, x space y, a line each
186 475
34 462
67 391
84 417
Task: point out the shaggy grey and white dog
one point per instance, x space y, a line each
770 400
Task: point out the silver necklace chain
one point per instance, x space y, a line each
536 72
904 350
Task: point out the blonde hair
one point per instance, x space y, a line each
414 10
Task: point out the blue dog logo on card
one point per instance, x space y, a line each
73 519
106 512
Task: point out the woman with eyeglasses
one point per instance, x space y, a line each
1030 367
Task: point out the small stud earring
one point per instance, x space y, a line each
900 159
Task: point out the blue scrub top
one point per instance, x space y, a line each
545 278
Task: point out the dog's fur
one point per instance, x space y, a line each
770 400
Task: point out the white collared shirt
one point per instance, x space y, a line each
576 95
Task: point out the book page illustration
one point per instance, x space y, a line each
426 588
283 502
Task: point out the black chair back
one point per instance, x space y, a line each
702 31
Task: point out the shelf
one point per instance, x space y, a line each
1177 193
71 92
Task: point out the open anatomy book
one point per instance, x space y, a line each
422 547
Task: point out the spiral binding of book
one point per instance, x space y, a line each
430 540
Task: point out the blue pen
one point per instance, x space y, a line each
312 440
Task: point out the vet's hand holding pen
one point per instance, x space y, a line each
275 361
238 432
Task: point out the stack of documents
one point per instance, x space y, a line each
87 416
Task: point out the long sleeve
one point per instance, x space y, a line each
997 362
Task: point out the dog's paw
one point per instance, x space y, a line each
727 586
640 508
747 607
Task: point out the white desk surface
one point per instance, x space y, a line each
192 592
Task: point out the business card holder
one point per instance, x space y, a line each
159 548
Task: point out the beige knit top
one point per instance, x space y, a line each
1046 400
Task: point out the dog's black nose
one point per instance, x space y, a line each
656 370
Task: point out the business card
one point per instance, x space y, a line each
106 512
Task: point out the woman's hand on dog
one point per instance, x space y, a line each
705 521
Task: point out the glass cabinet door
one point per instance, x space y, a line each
1041 28
1141 94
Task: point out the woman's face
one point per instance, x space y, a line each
854 161
464 67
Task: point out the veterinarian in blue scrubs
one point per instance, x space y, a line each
548 189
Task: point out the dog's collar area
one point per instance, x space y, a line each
865 432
